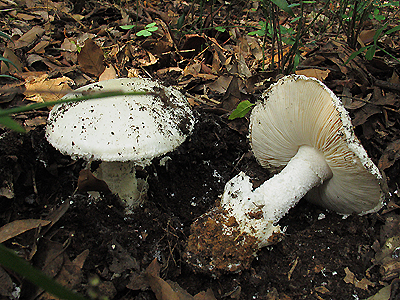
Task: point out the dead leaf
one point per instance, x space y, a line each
395 79
383 294
164 290
243 69
49 257
232 96
43 89
351 104
70 274
192 69
91 58
390 155
7 189
149 60
55 215
321 289
36 121
28 38
122 260
255 48
17 227
22 16
192 45
9 54
351 278
313 60
362 114
109 73
169 70
88 182
6 284
366 37
207 295
221 84
54 66
316 73
40 47
70 53
161 288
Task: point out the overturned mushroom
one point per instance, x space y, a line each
122 131
302 125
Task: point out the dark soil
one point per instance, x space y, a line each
309 263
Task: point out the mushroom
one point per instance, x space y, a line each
302 126
122 131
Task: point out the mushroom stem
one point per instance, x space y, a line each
277 195
228 237
121 179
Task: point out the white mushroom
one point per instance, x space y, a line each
123 131
302 125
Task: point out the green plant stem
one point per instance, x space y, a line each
10 260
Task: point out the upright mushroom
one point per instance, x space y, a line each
300 124
124 131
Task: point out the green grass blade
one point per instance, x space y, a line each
5 36
7 61
8 76
396 28
282 4
15 110
355 53
11 261
10 123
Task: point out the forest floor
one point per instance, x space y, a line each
213 60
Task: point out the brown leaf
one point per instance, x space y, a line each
164 290
232 96
55 215
91 58
43 89
6 284
316 73
9 54
70 274
109 73
39 47
28 38
7 189
243 69
122 260
161 288
221 84
192 69
49 257
70 53
148 60
17 227
192 45
362 114
366 37
389 155
207 295
88 182
351 278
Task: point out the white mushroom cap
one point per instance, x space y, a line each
299 111
123 128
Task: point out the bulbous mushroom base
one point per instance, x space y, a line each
216 245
